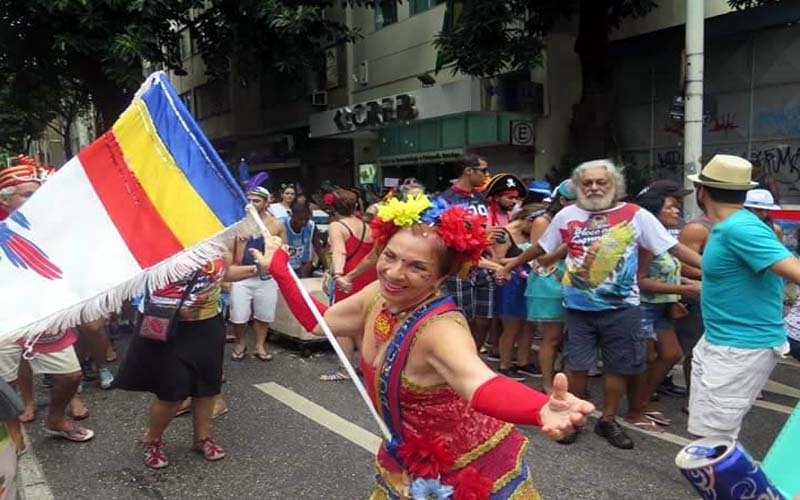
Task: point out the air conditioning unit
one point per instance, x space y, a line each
363 73
319 98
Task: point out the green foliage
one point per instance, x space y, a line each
490 37
98 46
746 4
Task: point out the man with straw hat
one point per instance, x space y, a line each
743 339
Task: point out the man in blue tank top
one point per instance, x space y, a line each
301 238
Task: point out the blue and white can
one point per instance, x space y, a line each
720 469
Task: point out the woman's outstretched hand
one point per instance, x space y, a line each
564 412
271 245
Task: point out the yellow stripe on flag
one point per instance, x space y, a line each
181 207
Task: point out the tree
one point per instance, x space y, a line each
99 45
491 37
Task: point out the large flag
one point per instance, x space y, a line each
145 203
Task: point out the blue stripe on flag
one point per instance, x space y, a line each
197 158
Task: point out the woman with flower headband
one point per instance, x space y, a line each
446 410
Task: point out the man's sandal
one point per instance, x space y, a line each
75 433
334 376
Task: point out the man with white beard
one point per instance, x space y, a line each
601 293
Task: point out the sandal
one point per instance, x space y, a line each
74 433
185 408
263 356
657 417
211 451
154 456
647 427
238 355
334 376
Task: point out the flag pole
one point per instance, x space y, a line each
253 213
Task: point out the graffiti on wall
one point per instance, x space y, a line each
722 123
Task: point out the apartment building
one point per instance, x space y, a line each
380 113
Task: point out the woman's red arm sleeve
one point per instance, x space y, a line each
510 401
279 269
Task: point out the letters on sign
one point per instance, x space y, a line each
376 113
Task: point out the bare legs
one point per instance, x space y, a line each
668 353
552 338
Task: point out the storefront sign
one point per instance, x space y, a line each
422 158
376 113
360 118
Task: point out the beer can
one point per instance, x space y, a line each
720 469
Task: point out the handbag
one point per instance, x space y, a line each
158 321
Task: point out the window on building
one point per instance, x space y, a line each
417 6
385 13
212 98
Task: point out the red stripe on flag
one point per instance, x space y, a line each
786 215
139 223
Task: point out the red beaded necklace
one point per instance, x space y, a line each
386 321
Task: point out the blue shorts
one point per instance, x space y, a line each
654 318
616 332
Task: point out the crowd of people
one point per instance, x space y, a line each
423 290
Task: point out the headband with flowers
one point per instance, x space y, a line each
460 230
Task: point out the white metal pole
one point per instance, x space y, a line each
693 103
253 213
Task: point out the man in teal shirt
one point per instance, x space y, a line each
743 269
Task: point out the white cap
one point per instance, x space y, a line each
761 198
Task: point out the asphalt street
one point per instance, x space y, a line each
290 436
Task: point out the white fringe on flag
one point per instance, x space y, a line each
162 274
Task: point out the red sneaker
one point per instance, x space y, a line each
211 451
154 456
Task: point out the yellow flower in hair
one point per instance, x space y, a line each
404 213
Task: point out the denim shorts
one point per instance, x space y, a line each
654 318
616 332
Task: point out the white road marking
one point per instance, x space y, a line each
782 389
322 416
774 407
31 483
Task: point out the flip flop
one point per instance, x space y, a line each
75 433
238 356
647 427
263 356
220 413
334 376
657 417
23 451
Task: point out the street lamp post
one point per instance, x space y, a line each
693 118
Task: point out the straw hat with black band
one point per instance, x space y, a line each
726 172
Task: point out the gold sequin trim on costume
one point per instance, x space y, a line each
488 445
516 471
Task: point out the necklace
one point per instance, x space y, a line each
386 321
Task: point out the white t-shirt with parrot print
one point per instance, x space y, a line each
602 256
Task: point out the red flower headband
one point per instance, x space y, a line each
460 230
